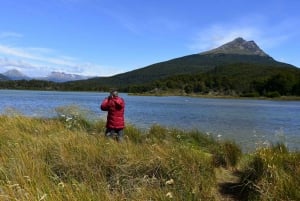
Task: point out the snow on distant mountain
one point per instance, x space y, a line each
53 76
64 77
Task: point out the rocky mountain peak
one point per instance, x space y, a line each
238 46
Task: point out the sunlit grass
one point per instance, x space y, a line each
56 159
272 174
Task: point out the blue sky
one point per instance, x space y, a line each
107 37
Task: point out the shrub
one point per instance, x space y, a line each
273 94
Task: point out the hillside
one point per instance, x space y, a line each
191 64
235 52
233 80
196 63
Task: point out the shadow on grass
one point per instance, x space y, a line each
236 191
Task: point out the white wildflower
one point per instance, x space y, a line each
61 184
69 118
170 182
169 195
43 197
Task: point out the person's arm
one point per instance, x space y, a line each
119 102
104 104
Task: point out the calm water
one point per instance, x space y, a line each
249 122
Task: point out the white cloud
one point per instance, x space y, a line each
10 35
28 68
40 62
28 53
258 28
217 35
98 70
7 64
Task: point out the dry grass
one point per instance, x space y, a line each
45 160
69 158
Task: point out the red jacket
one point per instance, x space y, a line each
115 108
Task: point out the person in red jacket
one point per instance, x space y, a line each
115 124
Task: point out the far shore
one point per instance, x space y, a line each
283 98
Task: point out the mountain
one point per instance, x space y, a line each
239 46
236 51
237 67
63 77
53 76
3 77
16 75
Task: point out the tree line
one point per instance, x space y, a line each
235 80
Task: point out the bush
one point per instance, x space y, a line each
273 94
250 94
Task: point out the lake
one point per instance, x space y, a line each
250 123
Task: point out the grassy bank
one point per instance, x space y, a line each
68 158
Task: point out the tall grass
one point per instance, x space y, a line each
68 158
43 159
272 174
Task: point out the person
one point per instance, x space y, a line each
115 107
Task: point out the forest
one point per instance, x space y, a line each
240 79
234 80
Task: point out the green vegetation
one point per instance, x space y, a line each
205 75
244 80
68 158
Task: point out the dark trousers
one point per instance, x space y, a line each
116 134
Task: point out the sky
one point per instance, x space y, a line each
108 37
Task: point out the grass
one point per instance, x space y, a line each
68 158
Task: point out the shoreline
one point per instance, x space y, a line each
281 98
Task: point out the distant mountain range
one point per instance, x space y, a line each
64 77
14 74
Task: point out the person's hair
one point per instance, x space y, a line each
114 93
